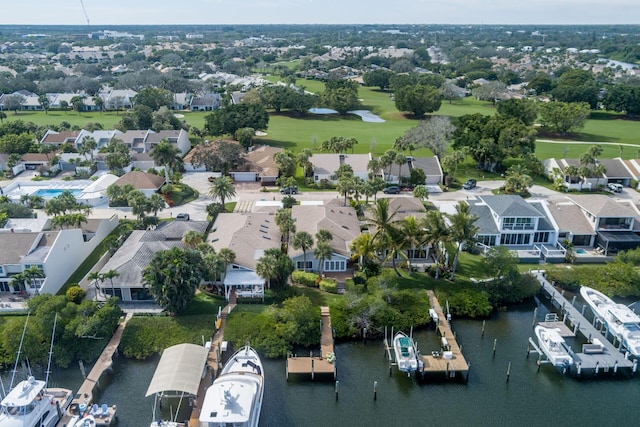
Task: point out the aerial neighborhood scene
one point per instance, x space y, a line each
318 214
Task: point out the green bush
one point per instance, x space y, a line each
304 278
329 285
467 302
75 293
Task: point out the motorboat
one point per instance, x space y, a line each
622 322
554 346
85 421
235 397
31 402
405 351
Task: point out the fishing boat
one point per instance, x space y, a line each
405 351
235 397
554 346
31 402
621 321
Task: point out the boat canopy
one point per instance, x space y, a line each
180 369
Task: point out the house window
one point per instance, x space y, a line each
541 237
300 265
1 270
517 224
417 254
515 239
334 266
487 240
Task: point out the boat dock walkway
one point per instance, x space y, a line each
599 354
214 360
436 363
85 393
325 363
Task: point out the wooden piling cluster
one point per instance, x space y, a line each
324 364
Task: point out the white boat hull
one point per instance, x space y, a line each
620 320
405 352
235 397
554 347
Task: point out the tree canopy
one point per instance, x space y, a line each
229 119
418 99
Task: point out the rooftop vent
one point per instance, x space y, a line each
266 237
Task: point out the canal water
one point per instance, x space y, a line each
530 397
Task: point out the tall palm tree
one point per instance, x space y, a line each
324 235
156 203
598 171
191 238
227 256
267 267
165 154
384 222
436 233
222 189
363 248
303 240
287 227
96 277
322 252
31 274
462 229
411 235
400 160
111 274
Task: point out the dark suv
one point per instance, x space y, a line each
394 189
289 190
471 183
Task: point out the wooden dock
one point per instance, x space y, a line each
313 365
599 355
84 396
454 363
214 360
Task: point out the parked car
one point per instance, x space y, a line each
182 217
615 187
471 183
394 189
289 190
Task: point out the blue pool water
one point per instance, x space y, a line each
49 193
581 251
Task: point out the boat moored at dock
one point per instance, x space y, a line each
554 347
405 352
235 397
622 322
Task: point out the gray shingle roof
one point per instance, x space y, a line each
485 222
510 206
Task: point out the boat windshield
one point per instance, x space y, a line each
18 410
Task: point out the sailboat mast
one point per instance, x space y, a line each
15 367
53 334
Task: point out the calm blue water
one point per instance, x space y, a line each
49 193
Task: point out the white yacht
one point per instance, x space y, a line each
405 351
31 403
620 320
235 397
554 346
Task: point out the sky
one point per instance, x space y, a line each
212 12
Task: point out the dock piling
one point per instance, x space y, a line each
337 387
573 301
483 323
508 371
583 307
495 341
535 312
375 390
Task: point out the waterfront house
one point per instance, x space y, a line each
343 224
137 252
57 254
248 235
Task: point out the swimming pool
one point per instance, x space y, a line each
581 251
49 193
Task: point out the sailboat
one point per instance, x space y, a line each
31 402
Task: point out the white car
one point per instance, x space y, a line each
615 187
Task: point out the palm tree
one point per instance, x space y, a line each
363 248
156 203
17 282
421 192
436 233
324 235
267 267
96 277
43 100
411 235
518 181
384 222
598 171
111 274
462 229
31 274
191 238
165 154
89 144
322 252
287 227
227 256
303 240
222 189
400 160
